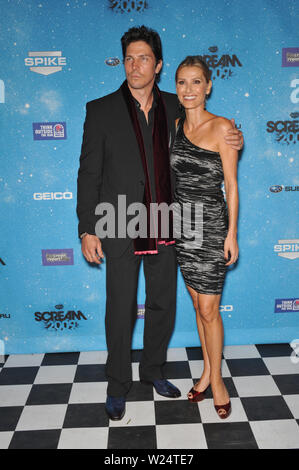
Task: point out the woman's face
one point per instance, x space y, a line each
192 87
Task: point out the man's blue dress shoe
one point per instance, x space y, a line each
166 389
116 407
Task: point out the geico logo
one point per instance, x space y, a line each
47 196
283 126
226 308
48 61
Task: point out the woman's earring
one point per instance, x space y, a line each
206 98
181 107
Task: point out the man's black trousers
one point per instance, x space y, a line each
160 272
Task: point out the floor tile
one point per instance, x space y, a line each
41 439
135 371
274 350
209 415
241 352
287 383
177 354
229 436
194 354
90 392
91 373
281 365
177 370
84 438
140 392
5 438
280 434
263 408
293 403
9 417
261 385
197 367
176 412
55 374
86 415
24 360
18 375
39 417
136 355
230 386
137 414
245 367
3 359
14 395
49 394
61 359
93 357
181 436
135 437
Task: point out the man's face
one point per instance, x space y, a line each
140 65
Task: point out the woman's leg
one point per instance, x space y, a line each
213 333
204 381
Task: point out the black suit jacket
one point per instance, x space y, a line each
110 162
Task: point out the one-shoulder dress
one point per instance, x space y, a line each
199 179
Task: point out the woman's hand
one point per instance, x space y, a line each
231 248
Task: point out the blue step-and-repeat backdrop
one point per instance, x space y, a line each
57 55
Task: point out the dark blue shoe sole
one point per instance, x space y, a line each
115 418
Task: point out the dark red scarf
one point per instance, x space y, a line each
161 166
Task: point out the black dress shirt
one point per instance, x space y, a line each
147 128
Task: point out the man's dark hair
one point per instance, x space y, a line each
142 33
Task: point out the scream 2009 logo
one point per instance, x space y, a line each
285 131
222 65
128 6
59 320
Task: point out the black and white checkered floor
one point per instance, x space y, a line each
57 401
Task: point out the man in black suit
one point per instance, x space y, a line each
125 151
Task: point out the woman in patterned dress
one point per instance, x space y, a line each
201 161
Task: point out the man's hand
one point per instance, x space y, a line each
92 249
234 137
231 250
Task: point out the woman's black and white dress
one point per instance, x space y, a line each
199 178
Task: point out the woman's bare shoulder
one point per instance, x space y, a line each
222 124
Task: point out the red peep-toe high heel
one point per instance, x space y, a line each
227 408
196 396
